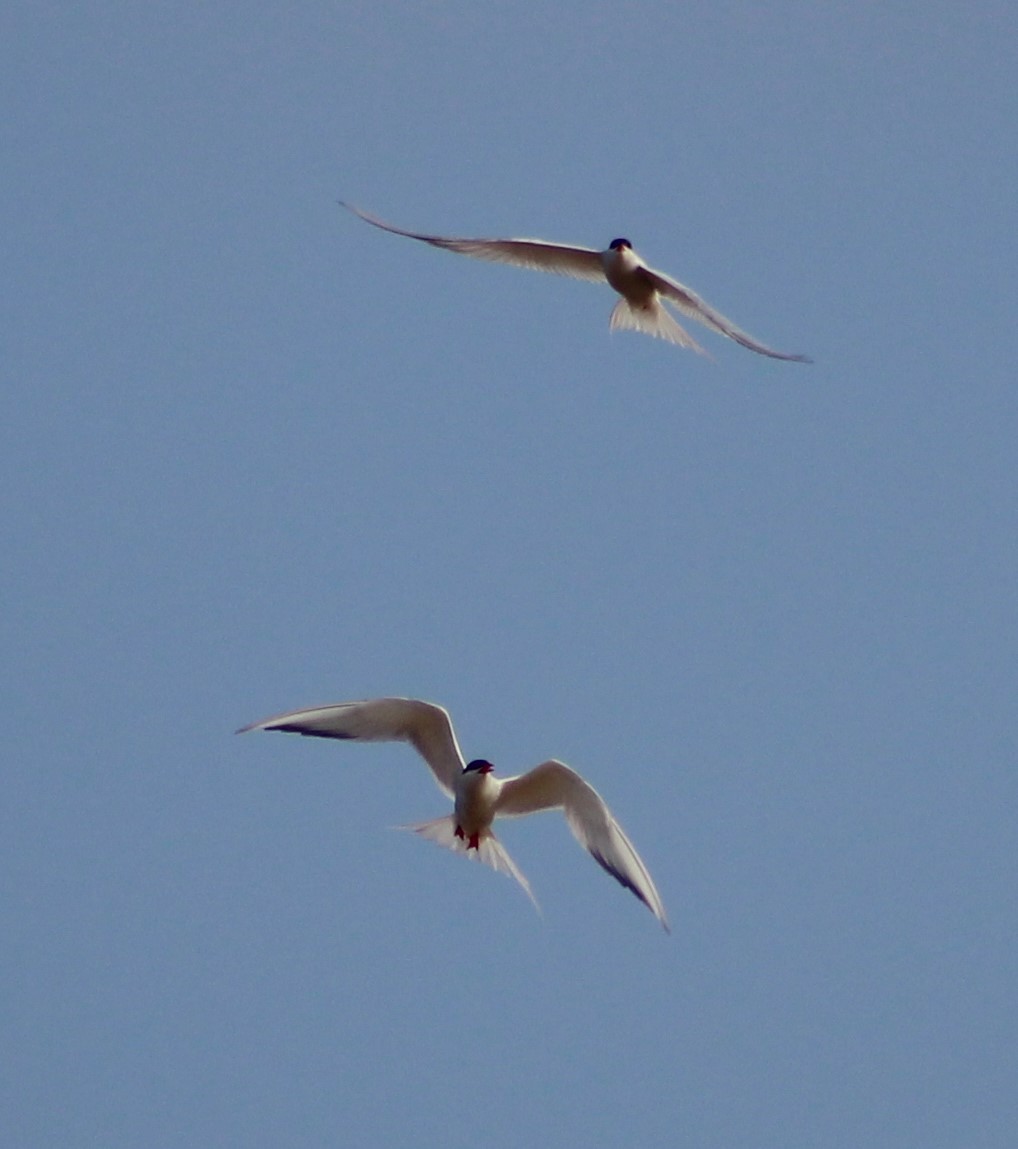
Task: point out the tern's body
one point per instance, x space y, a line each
478 796
475 804
644 291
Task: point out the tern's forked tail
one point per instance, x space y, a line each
490 850
652 319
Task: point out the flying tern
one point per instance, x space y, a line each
644 291
479 797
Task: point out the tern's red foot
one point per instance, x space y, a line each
475 842
458 832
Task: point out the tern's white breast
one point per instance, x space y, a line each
621 268
475 801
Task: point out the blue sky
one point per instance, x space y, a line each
255 455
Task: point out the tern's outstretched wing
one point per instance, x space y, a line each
689 303
538 254
426 726
553 785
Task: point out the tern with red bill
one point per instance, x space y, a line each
644 291
478 796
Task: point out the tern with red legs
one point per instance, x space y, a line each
479 797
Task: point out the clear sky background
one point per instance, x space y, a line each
255 455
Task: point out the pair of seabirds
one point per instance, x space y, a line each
478 796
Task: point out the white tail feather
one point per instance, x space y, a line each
653 319
490 851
